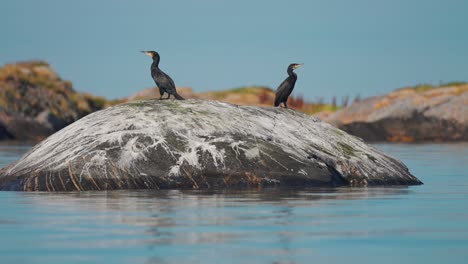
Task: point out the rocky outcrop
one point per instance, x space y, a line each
199 144
409 115
35 102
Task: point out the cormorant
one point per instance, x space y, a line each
162 80
287 86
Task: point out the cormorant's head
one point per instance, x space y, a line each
295 66
152 54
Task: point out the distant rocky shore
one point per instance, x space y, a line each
35 102
421 113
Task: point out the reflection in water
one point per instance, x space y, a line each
197 206
426 224
185 219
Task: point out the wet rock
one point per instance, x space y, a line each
198 144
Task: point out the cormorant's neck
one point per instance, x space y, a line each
291 72
155 62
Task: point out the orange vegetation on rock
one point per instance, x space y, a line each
400 138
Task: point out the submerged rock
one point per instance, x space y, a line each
199 144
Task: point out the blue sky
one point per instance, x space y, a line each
365 47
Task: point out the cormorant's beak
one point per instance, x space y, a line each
298 65
147 53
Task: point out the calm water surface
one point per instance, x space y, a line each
422 224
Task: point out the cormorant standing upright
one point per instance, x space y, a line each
162 80
287 86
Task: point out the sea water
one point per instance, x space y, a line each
418 224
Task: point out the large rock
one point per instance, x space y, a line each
199 144
439 114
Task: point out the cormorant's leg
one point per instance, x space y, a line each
161 93
285 105
168 95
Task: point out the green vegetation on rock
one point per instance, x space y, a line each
347 149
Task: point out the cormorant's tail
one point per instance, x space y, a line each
178 97
277 102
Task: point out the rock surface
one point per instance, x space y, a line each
199 144
408 115
35 102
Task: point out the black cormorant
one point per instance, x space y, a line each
287 86
162 80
